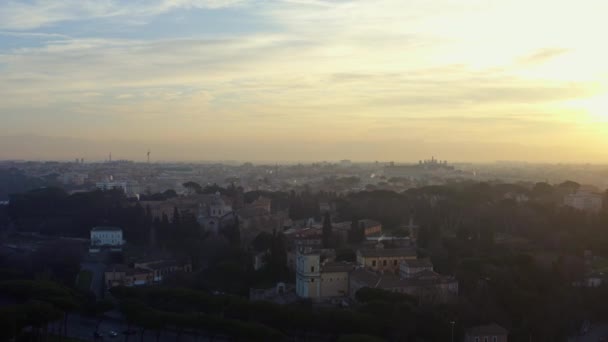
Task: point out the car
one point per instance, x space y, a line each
113 334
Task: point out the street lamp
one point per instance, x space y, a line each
452 323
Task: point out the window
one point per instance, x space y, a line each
384 262
312 268
395 262
312 280
374 263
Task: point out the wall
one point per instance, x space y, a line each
334 284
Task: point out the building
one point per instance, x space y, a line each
417 280
113 185
410 268
214 215
122 275
487 333
143 272
586 201
308 275
162 268
380 259
106 237
371 227
318 280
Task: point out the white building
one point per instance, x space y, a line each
308 275
410 268
111 185
586 201
318 280
106 236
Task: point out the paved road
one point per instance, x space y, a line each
83 328
97 268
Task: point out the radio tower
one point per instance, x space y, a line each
148 154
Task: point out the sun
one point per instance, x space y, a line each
596 107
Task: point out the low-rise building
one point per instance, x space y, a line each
487 333
163 268
142 273
427 287
122 275
416 278
382 259
410 268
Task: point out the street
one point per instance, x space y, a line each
95 265
83 328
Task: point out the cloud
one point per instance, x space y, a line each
346 70
21 15
543 55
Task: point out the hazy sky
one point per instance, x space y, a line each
304 79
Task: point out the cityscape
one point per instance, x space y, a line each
337 241
303 171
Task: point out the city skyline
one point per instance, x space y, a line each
304 80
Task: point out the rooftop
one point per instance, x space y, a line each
390 252
391 281
337 267
106 229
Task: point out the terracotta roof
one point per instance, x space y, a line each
367 223
390 252
490 329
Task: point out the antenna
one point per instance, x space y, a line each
148 154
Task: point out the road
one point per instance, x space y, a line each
83 328
96 266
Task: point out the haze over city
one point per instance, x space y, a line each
304 80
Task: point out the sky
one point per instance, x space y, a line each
304 80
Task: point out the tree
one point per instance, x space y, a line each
327 231
193 187
176 219
97 309
232 232
262 242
